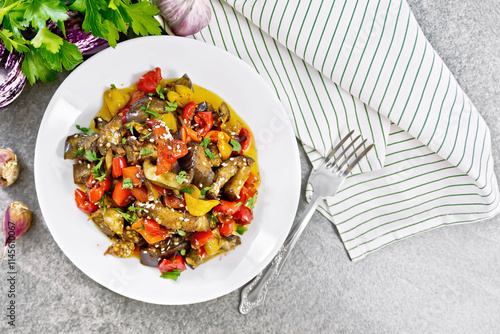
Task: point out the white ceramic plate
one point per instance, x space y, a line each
80 97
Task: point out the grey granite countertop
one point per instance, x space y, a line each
443 281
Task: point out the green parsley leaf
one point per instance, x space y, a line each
102 203
205 142
159 91
82 151
240 229
127 183
135 208
127 216
85 130
251 202
146 136
181 177
93 18
141 228
145 151
130 126
181 233
213 219
152 113
187 190
142 18
91 156
124 140
174 274
203 192
98 173
171 106
210 154
183 252
238 204
113 86
236 145
38 12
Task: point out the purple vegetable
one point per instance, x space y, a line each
86 43
16 221
12 79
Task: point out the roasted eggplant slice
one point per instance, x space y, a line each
233 187
197 162
178 220
78 144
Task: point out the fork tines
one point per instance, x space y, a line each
348 152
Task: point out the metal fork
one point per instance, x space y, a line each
325 180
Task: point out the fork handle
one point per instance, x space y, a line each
254 293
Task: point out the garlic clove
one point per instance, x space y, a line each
185 17
16 221
9 168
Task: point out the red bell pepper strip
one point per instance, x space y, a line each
199 239
174 202
149 81
245 140
205 121
140 193
228 207
118 164
135 174
175 262
226 229
83 203
190 134
121 196
97 188
188 112
169 150
151 230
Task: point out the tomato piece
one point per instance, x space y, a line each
149 81
118 164
169 150
202 252
175 262
226 229
252 179
150 230
174 202
244 216
213 135
200 238
162 191
141 194
97 188
205 121
188 112
228 207
248 191
83 203
135 174
121 196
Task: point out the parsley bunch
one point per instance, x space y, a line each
48 53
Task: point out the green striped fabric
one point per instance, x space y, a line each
366 65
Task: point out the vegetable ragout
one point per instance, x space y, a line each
165 173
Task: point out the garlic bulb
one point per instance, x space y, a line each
16 221
9 168
184 17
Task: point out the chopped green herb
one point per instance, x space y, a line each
174 274
238 204
213 219
159 91
171 106
251 202
210 154
130 126
203 192
79 151
135 208
205 142
236 145
146 136
240 229
127 183
87 131
181 177
152 113
124 140
187 190
181 233
142 227
98 173
102 203
91 155
183 252
128 217
145 151
151 94
113 86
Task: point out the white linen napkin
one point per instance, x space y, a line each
366 65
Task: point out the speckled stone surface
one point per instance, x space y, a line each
443 281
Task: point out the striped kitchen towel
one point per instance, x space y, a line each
366 65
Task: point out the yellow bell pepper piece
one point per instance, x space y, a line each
212 246
223 145
197 206
170 121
